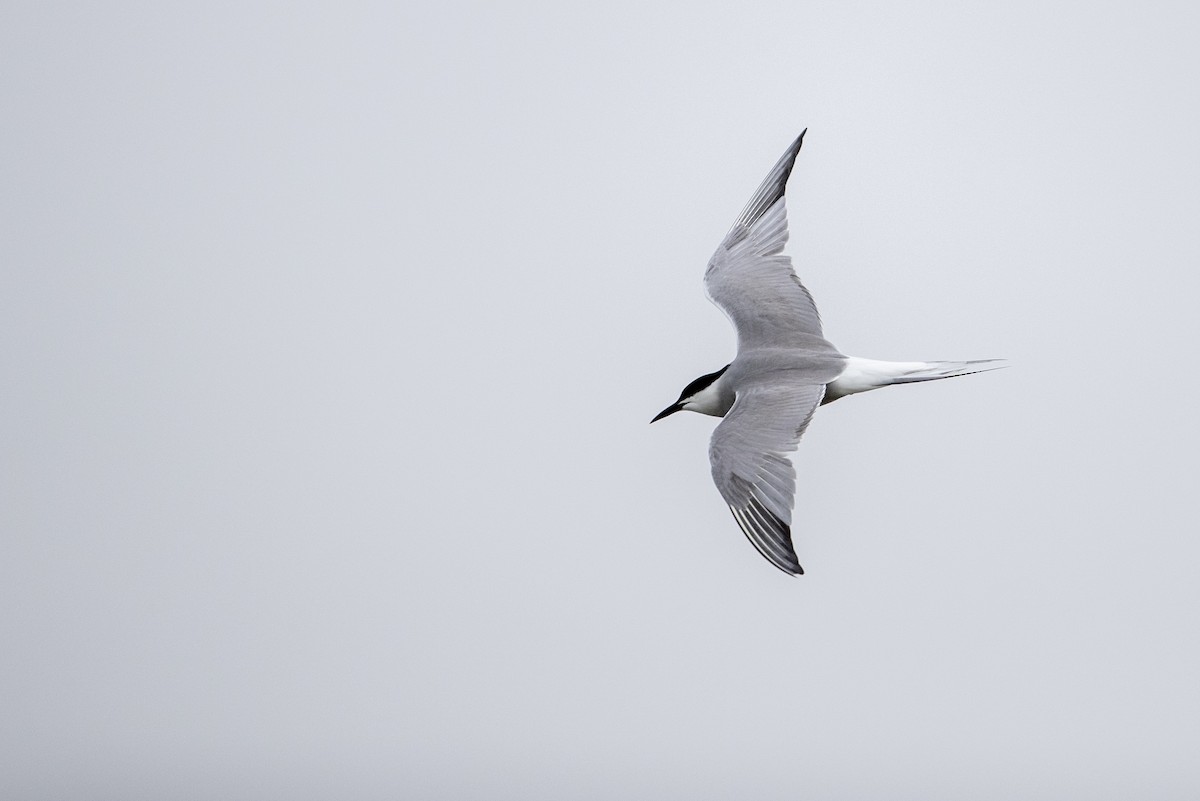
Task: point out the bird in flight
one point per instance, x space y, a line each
784 370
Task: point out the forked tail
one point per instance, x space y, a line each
861 375
930 371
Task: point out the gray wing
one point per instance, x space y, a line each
751 279
751 469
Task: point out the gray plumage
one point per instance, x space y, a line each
784 370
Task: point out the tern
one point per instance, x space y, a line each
784 369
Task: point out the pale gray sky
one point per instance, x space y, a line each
329 338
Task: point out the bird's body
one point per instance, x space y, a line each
784 370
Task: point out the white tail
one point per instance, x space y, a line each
861 375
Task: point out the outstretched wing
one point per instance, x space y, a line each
751 469
751 279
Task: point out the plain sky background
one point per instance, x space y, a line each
329 336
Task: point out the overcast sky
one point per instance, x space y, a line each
329 337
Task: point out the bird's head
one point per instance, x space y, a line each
700 396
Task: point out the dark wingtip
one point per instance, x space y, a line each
769 535
771 189
799 143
